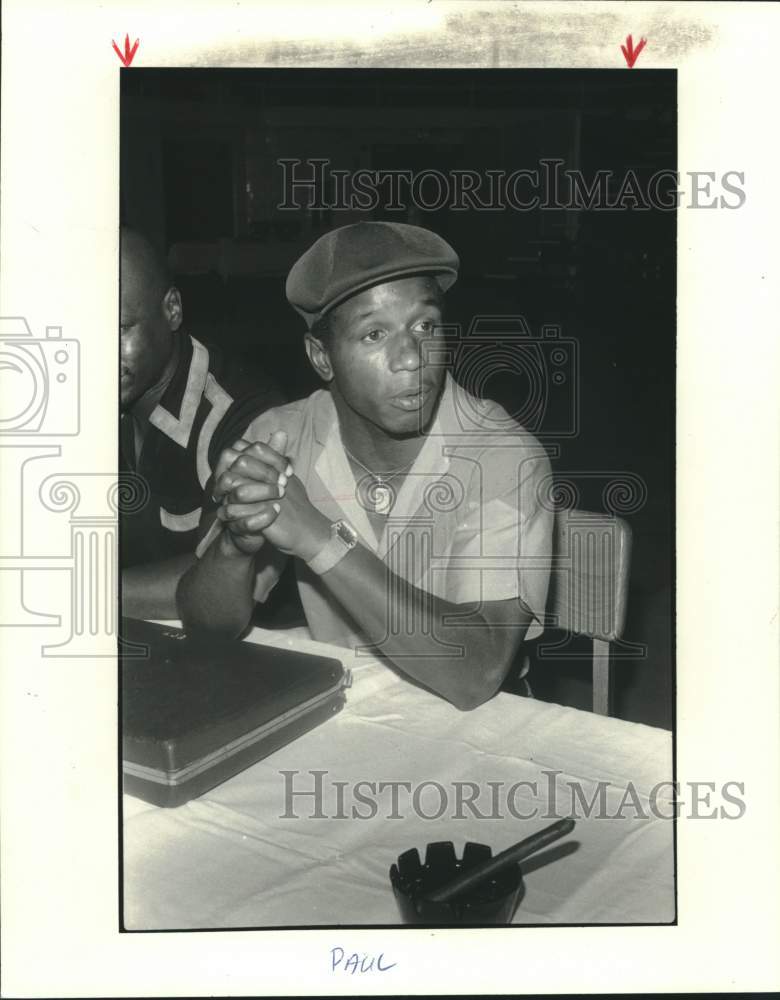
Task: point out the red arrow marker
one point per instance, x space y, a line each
129 53
631 53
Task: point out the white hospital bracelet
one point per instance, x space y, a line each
343 537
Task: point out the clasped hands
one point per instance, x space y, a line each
261 499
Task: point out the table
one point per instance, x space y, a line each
233 859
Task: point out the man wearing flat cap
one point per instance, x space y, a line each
409 506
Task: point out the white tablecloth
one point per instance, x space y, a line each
229 859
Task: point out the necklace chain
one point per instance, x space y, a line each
384 477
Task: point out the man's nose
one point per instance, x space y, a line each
407 355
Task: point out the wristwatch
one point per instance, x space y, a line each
343 537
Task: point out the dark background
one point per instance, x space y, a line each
199 177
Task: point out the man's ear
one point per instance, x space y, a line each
318 355
172 308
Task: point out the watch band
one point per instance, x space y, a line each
343 537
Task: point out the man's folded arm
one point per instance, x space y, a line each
149 590
457 652
219 590
491 606
216 592
460 653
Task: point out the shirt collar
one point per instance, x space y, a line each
146 405
175 414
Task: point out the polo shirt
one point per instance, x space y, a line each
209 403
469 522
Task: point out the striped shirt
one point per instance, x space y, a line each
208 404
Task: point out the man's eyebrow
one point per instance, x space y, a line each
366 314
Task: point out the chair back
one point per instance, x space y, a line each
589 574
589 587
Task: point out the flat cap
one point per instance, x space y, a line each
348 260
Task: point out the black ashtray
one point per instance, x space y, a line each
493 901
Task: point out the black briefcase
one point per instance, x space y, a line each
196 710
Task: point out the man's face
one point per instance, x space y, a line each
379 367
146 334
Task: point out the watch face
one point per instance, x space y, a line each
346 533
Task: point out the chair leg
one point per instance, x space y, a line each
601 677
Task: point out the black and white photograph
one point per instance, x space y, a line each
397 393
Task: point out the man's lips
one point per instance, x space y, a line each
413 398
417 389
